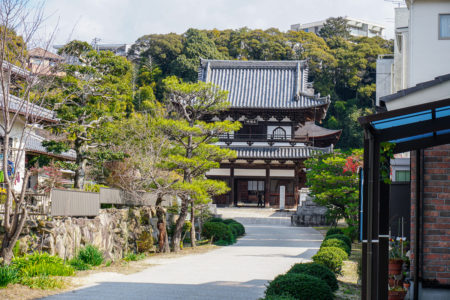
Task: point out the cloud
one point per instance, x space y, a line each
124 21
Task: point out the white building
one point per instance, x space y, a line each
421 59
357 27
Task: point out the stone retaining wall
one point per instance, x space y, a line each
113 231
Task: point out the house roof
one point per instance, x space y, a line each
17 105
262 84
33 144
274 152
416 88
15 69
310 129
42 53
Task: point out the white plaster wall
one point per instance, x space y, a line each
431 94
282 173
218 172
250 172
383 78
288 130
430 57
18 158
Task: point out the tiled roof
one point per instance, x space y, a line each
278 152
262 84
30 109
310 129
34 144
42 53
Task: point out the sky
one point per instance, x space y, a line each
124 21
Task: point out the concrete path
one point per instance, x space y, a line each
239 271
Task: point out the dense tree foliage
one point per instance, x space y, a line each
92 93
333 181
340 65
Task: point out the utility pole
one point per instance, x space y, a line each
94 43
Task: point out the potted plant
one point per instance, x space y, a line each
406 284
395 256
397 293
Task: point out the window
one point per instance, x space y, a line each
256 186
402 175
444 26
279 134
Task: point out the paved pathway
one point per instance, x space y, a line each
239 271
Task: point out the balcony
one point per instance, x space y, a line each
230 138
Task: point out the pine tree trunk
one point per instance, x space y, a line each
176 240
193 240
163 240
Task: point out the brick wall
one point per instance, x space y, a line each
436 212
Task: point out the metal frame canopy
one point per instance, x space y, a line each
411 128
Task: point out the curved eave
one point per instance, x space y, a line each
59 156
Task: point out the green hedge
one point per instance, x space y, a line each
219 232
342 237
336 243
334 231
8 275
316 270
331 257
300 287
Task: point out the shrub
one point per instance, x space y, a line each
219 232
79 265
299 286
38 264
145 242
220 220
316 270
229 221
342 237
330 257
334 231
279 297
91 255
336 243
7 275
351 232
238 227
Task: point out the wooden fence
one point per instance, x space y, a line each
74 203
79 203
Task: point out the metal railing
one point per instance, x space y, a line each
254 137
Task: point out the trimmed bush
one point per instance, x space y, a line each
7 275
334 231
330 257
342 237
229 221
219 232
336 243
316 270
91 255
351 232
238 228
300 287
220 220
279 297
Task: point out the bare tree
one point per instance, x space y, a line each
23 106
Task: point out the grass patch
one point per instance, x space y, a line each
91 255
134 257
349 285
43 282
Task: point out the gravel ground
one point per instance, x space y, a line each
239 271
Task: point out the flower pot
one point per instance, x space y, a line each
391 282
406 285
395 266
396 295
